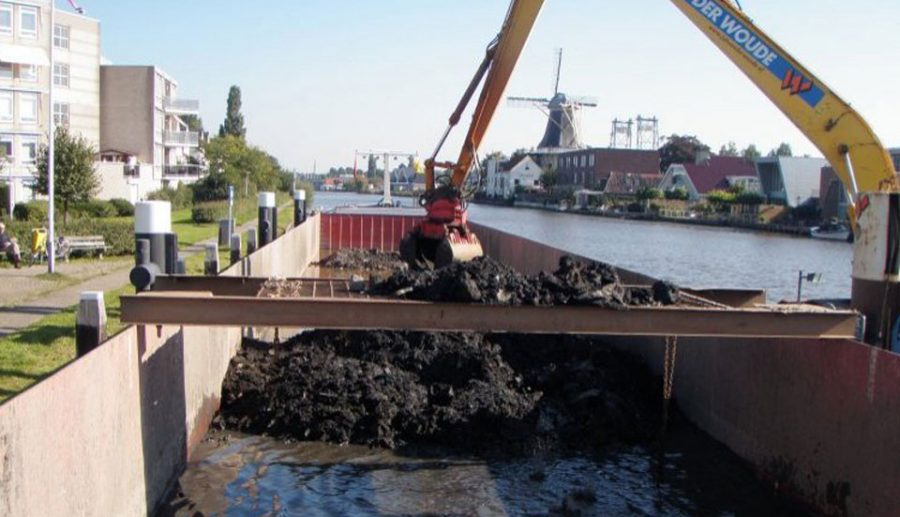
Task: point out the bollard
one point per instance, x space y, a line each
211 264
235 248
251 241
299 207
181 265
90 322
268 218
153 223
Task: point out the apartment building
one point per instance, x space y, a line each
592 167
25 42
145 143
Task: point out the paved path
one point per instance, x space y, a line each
26 297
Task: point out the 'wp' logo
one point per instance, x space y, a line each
796 83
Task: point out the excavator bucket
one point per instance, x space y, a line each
421 252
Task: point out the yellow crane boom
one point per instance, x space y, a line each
836 129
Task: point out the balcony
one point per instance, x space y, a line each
182 172
181 106
181 139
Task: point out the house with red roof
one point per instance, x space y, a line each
710 173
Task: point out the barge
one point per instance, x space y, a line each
813 409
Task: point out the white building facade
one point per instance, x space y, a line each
502 184
145 144
26 37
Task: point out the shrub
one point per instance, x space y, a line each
118 234
95 208
213 187
123 207
33 211
181 197
678 194
749 198
209 212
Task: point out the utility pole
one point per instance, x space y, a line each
51 158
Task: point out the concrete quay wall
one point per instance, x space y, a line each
109 433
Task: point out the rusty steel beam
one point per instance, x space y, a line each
364 314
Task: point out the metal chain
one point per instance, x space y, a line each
669 367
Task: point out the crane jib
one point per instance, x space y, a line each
754 46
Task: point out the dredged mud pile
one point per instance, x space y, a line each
361 259
487 281
495 394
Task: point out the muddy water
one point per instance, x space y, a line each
246 475
693 256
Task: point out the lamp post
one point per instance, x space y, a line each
51 158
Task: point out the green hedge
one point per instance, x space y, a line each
93 209
33 211
209 212
118 234
123 207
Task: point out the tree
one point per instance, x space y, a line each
649 194
194 122
751 153
242 165
783 150
550 178
74 177
680 149
372 169
730 149
234 119
677 194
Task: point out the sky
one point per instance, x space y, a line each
324 78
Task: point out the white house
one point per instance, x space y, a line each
502 180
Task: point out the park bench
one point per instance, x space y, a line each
86 244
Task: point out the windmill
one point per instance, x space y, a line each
563 114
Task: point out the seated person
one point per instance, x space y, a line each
9 246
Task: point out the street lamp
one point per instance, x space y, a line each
813 278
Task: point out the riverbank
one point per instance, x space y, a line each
720 222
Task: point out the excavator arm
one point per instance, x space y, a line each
444 236
836 129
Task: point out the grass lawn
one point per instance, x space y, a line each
42 348
190 232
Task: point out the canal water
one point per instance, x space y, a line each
692 256
240 475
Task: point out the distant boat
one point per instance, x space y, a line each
832 232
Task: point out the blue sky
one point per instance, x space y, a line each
322 78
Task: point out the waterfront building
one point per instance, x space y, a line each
145 142
895 155
628 184
25 75
710 173
789 181
592 167
505 177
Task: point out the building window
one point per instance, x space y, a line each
583 160
6 16
6 148
591 160
28 107
6 70
61 36
6 106
28 22
28 150
28 73
61 74
61 114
